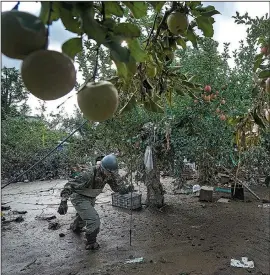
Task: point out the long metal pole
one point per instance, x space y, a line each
54 149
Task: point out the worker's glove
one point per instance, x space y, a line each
63 207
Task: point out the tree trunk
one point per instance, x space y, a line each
155 192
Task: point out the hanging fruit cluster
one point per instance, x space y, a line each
48 74
209 96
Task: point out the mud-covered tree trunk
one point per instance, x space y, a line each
155 191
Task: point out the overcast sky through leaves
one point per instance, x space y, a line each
225 31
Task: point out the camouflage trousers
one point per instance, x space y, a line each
87 217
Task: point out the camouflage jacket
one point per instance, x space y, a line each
90 183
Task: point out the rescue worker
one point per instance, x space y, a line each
83 191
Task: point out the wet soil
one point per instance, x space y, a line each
184 237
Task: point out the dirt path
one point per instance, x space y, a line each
186 237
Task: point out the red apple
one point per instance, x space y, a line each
207 88
222 117
264 50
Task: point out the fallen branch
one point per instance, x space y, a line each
28 265
239 181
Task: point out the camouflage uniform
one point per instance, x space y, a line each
83 191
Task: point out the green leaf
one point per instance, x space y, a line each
191 94
129 105
205 9
45 10
136 50
255 91
72 47
91 27
131 66
180 41
138 9
192 78
114 8
179 91
70 23
152 106
157 5
206 25
232 121
258 61
188 84
210 13
156 98
109 23
192 38
121 68
119 53
264 74
193 4
174 68
169 98
127 30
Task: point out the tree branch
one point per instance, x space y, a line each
103 11
96 65
151 32
166 14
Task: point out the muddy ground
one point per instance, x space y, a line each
184 237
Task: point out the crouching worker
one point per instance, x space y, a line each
83 191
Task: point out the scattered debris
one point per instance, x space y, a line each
164 261
265 201
19 212
196 226
196 189
224 178
242 263
185 189
135 260
19 219
9 220
46 217
223 200
5 208
62 235
264 205
27 266
53 225
223 190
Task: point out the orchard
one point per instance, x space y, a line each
153 70
145 74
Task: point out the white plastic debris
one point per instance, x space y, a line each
244 263
148 159
135 260
265 205
196 188
223 200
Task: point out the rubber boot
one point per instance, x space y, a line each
91 240
77 225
